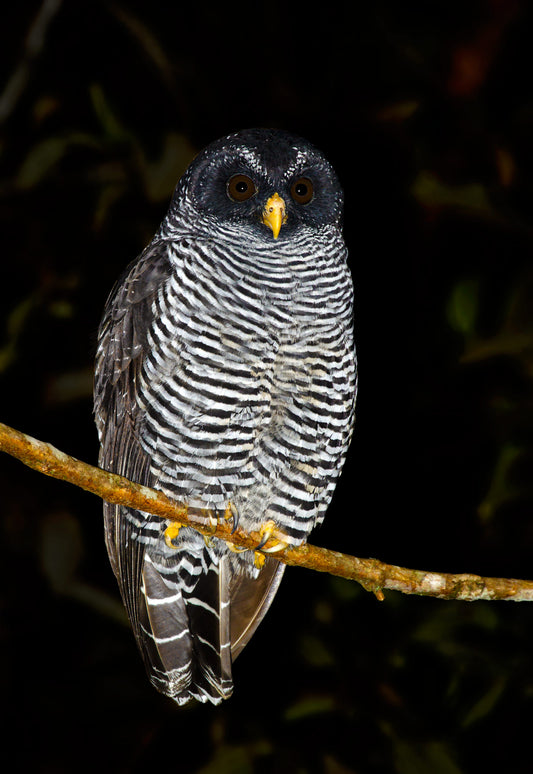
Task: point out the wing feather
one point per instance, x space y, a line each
121 348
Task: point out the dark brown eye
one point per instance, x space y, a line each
302 190
240 188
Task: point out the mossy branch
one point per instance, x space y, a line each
372 574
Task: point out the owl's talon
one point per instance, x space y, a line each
265 532
231 512
171 532
280 545
269 530
236 549
213 523
259 559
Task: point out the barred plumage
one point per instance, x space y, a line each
226 374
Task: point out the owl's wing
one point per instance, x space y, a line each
122 345
169 623
250 599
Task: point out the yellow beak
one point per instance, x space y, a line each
274 215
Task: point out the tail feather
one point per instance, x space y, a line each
250 601
208 611
185 636
165 639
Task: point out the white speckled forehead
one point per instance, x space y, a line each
253 159
300 160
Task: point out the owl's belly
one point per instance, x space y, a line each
263 427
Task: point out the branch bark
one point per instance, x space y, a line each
372 574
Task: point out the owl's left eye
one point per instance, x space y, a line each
240 188
302 190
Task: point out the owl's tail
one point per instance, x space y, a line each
185 635
189 633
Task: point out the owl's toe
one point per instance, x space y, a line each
269 532
171 532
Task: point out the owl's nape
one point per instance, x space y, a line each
226 378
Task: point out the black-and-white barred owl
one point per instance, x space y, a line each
226 376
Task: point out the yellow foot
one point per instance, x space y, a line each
259 559
269 531
172 532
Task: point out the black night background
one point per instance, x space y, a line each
426 112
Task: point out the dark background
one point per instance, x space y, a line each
426 111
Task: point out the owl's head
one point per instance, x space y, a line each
266 182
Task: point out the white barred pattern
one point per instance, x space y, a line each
250 374
225 373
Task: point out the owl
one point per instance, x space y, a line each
226 378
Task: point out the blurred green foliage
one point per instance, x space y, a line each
426 111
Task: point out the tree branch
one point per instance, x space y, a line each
372 574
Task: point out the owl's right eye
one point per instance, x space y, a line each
240 188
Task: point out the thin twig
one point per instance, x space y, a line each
372 574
